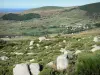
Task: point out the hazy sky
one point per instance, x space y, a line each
39 3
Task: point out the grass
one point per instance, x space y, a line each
43 56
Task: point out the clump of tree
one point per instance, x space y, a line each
18 17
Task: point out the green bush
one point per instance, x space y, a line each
2 42
77 45
50 71
5 68
88 64
18 17
46 71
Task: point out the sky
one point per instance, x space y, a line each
40 3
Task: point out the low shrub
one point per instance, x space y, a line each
46 71
50 71
88 64
18 17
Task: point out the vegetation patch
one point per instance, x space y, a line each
88 64
17 17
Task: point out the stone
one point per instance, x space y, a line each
62 50
21 69
77 52
31 43
34 68
41 39
51 64
62 62
30 47
96 39
4 58
67 52
46 47
79 39
64 41
37 45
32 60
95 48
30 53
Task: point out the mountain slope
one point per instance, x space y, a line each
54 20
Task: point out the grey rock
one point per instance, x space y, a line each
62 62
34 68
21 69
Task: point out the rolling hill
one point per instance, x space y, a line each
54 20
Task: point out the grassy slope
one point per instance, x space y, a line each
43 55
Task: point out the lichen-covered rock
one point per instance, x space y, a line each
21 69
34 68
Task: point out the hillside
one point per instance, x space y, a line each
54 20
18 50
